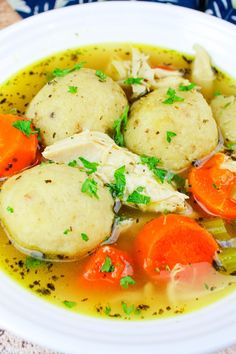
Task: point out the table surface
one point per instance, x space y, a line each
10 344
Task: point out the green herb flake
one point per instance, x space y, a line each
217 93
172 97
117 189
107 310
231 146
69 304
10 209
227 105
101 75
31 262
187 87
137 198
66 232
84 237
119 125
90 187
107 266
72 89
73 163
126 281
169 136
206 286
90 166
63 72
151 162
215 186
127 309
25 127
134 81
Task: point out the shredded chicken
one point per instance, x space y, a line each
138 67
100 148
229 164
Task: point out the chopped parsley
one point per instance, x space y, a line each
127 309
72 89
206 286
107 266
217 93
31 262
231 146
63 72
137 198
187 87
67 231
90 166
151 162
101 75
10 209
126 281
169 136
134 81
90 187
25 127
69 304
107 310
215 186
72 163
172 97
117 188
84 236
119 125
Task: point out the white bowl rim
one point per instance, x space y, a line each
206 330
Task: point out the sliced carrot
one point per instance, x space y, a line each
213 186
17 151
108 266
173 239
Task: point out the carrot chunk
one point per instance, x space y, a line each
173 239
17 150
213 186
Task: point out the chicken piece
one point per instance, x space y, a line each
138 67
100 148
229 164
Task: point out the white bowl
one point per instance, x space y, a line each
207 330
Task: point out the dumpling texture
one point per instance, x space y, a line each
152 123
224 111
59 113
49 211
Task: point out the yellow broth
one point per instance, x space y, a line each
59 282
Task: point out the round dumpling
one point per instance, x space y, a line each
177 132
80 100
44 210
224 111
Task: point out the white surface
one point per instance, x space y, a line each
204 331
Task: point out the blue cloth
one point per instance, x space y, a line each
225 9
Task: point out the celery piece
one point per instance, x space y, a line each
217 228
227 259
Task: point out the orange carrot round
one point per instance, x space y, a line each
17 150
213 186
173 239
108 266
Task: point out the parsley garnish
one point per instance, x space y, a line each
63 72
117 188
126 281
119 125
72 163
10 209
107 266
107 310
217 93
101 75
231 146
73 89
215 186
33 262
172 97
134 81
206 286
186 87
151 162
70 304
90 187
91 166
137 198
67 231
169 136
84 237
25 127
127 310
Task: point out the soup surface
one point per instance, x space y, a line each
60 282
